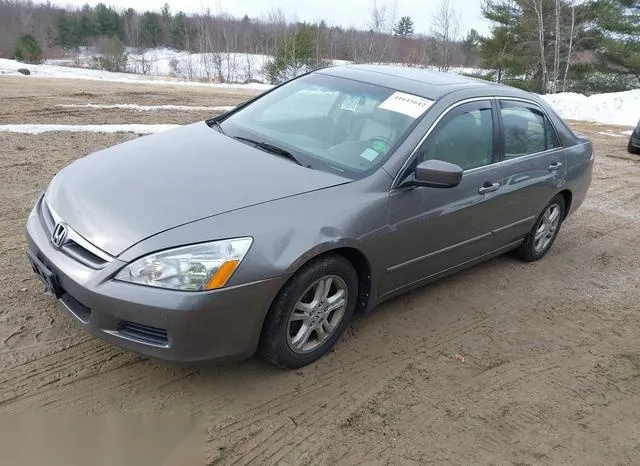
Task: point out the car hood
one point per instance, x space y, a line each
119 196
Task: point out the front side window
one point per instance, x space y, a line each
329 123
526 130
464 137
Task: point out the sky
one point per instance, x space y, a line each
344 13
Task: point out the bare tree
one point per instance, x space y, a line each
378 17
132 28
389 31
26 15
377 24
538 8
446 29
556 47
571 33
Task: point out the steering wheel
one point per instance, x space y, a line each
344 122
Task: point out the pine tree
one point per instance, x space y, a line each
108 22
87 25
67 31
165 24
470 46
498 53
295 54
519 41
617 31
28 50
180 31
150 29
404 27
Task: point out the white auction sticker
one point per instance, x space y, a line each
406 104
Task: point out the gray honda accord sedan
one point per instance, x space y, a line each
266 228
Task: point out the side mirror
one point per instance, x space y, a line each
437 174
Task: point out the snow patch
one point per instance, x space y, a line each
127 128
148 108
55 71
615 108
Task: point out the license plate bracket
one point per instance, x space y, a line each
46 276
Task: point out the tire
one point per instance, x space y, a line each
533 249
293 314
633 150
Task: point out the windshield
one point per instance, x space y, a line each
330 123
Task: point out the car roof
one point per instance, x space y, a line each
419 81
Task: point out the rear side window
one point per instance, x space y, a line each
527 130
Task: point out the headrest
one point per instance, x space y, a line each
514 123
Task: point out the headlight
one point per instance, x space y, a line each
205 266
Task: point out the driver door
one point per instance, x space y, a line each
436 229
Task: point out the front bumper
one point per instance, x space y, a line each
635 141
165 324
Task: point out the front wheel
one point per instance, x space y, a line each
544 232
310 312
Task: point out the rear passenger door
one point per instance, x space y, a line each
533 167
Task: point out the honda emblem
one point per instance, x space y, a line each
59 235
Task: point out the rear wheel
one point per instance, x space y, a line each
544 232
310 312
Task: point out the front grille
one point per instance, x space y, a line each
83 255
144 333
74 246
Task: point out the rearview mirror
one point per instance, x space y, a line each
437 174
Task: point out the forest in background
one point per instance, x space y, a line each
540 45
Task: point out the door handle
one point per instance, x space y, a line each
488 187
555 166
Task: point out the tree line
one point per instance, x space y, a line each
561 45
386 39
540 45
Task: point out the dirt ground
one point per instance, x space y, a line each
551 371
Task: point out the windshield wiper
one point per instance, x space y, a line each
272 149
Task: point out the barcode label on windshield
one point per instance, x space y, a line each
406 104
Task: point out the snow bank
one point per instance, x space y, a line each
38 129
616 108
148 108
221 67
56 71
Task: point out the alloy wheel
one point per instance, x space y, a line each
317 314
547 228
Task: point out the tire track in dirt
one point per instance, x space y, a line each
351 386
95 392
515 420
81 359
259 448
